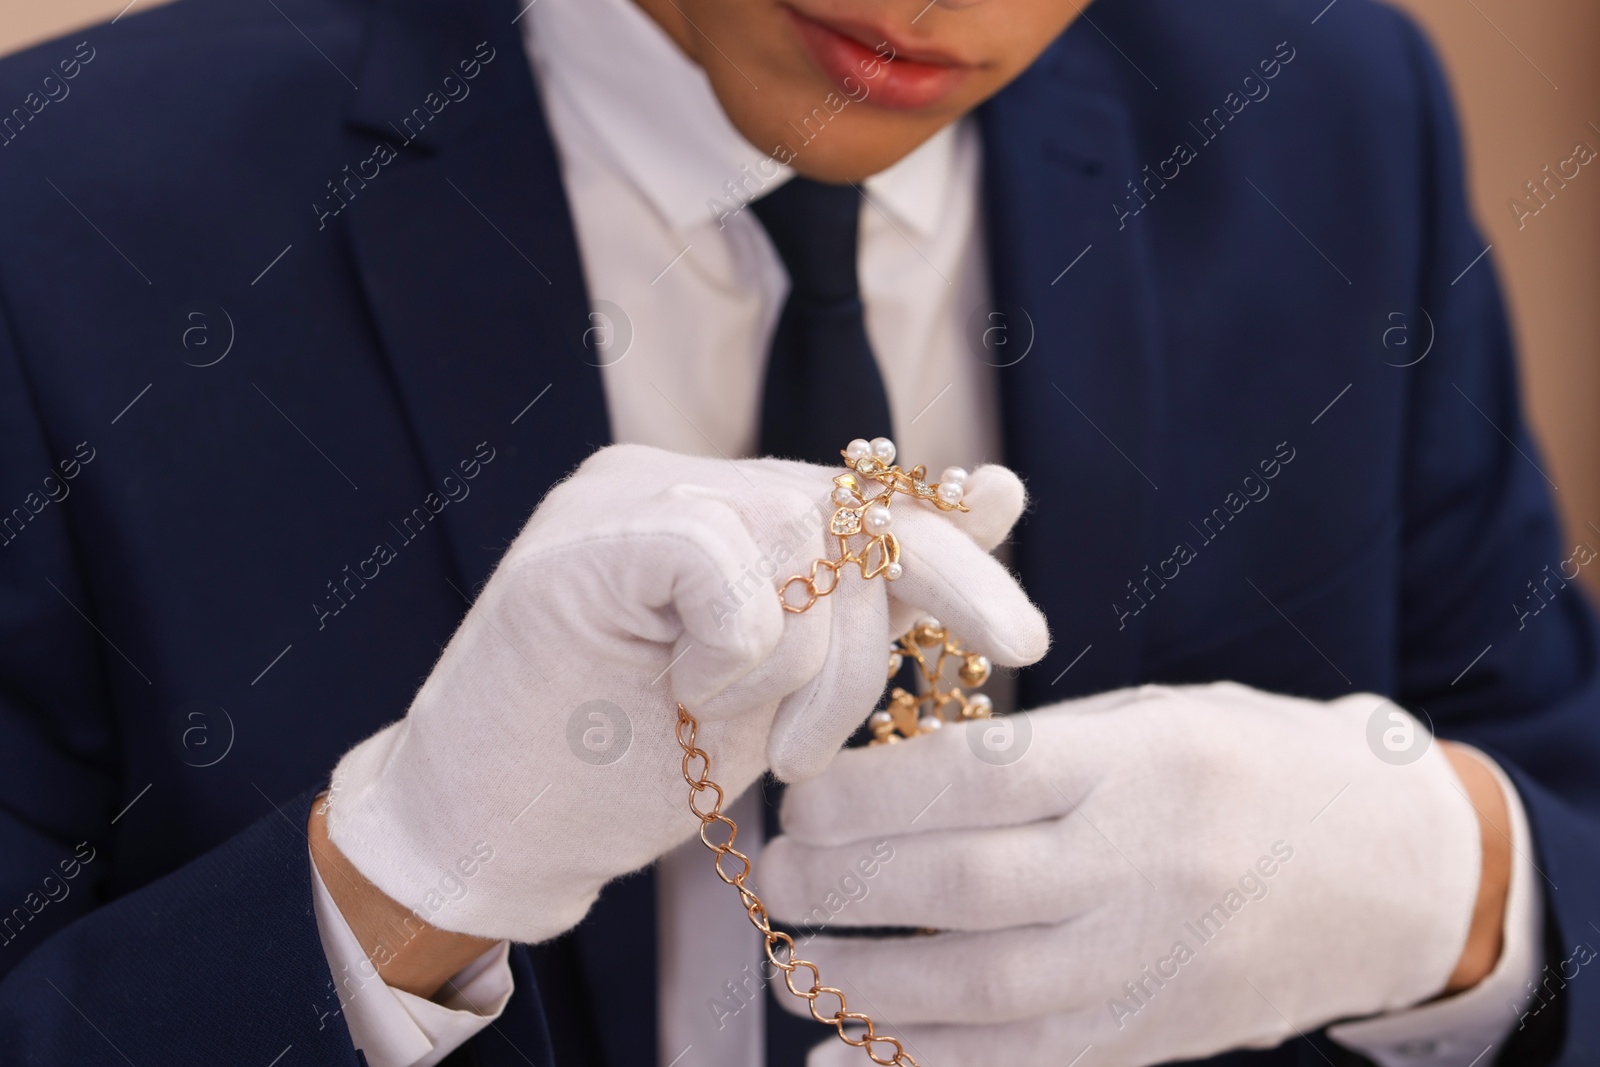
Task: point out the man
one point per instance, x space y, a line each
312 276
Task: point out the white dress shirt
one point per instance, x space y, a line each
687 292
399 1029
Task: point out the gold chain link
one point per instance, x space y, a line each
881 1048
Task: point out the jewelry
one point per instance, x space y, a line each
860 510
861 499
931 646
902 720
779 946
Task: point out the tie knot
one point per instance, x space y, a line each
813 226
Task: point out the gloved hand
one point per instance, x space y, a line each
539 759
1164 874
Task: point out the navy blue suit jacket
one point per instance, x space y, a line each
242 346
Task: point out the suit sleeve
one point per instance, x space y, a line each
1499 644
219 961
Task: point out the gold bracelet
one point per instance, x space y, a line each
859 511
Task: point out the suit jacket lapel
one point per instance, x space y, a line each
465 249
1082 406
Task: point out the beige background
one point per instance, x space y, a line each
1527 82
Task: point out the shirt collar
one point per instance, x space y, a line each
652 112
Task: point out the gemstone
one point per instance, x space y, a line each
846 521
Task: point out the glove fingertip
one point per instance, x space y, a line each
996 499
793 760
1025 641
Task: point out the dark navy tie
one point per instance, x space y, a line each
822 389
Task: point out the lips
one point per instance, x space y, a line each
905 79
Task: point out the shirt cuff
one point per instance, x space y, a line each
1459 1030
394 1028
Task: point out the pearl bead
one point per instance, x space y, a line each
893 571
857 449
845 498
957 475
979 706
895 660
878 519
880 718
929 723
929 622
951 492
883 449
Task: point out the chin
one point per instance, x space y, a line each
825 134
852 159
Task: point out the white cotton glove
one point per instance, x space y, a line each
1163 874
539 759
